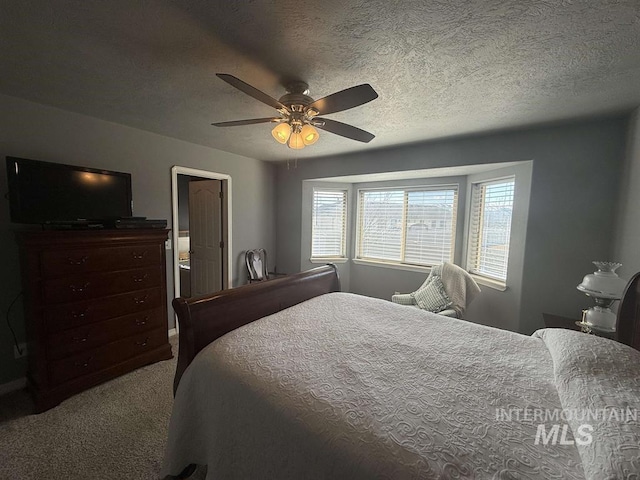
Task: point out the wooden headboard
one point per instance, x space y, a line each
628 322
204 319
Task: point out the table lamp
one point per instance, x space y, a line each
605 287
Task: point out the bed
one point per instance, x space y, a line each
292 379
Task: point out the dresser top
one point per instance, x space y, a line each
42 238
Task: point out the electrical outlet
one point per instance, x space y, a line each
167 244
23 349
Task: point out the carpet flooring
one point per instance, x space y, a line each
116 430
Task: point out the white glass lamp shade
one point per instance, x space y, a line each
309 135
281 132
295 141
600 318
604 283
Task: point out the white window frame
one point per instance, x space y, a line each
343 255
358 258
476 212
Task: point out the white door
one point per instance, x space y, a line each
205 233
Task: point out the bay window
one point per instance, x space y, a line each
329 224
490 228
414 226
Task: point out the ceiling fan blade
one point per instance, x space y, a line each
251 121
251 91
344 130
345 99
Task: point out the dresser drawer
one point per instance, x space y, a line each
62 317
70 289
87 337
105 356
55 263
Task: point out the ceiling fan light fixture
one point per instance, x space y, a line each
296 141
309 135
281 132
299 111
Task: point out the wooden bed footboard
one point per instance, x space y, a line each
204 319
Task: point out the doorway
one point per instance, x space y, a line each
201 206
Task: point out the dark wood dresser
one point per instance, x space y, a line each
95 307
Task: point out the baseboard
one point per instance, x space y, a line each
9 387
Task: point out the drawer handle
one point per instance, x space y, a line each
139 256
84 364
140 300
82 261
81 339
140 279
143 343
141 321
77 289
80 314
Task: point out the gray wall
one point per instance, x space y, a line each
38 132
627 233
574 184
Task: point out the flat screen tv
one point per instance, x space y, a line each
44 192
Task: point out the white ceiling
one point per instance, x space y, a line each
441 68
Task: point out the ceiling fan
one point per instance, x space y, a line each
299 113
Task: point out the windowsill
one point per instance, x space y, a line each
394 266
329 260
485 281
490 282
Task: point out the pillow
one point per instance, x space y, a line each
432 297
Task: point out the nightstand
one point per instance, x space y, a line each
558 321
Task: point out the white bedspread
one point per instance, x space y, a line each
349 387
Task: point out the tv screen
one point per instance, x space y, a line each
41 192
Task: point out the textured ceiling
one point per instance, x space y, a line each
441 68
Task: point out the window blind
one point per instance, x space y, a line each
490 228
414 226
329 221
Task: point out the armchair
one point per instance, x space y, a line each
448 290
